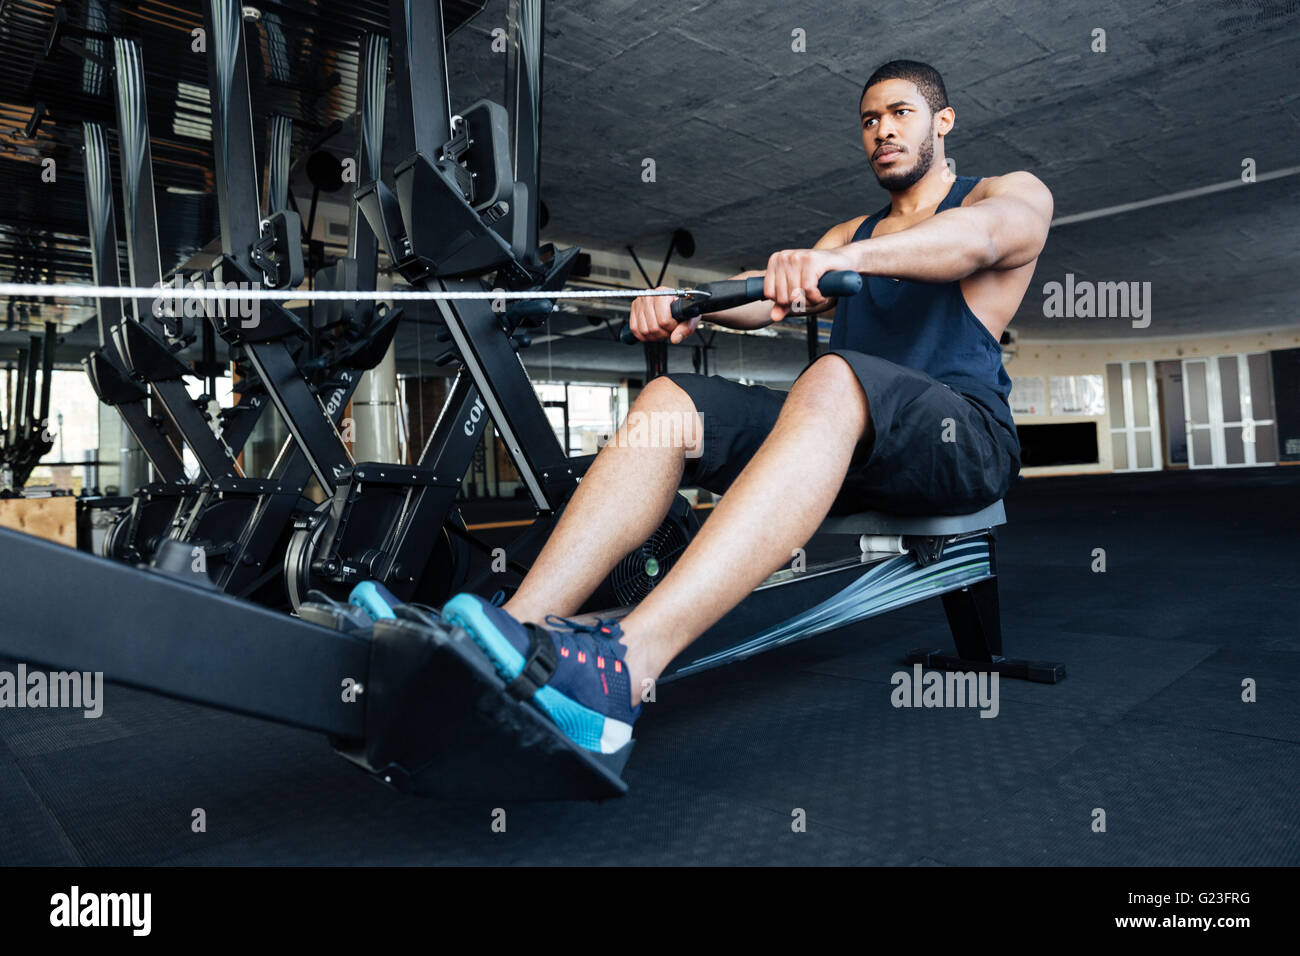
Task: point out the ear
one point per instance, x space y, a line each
945 120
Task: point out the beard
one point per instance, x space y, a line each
897 182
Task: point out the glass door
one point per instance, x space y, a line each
1134 417
1229 406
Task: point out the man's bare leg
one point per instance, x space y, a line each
619 503
774 506
752 532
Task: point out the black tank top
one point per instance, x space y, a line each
926 326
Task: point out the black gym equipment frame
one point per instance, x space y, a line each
108 373
464 203
237 521
145 345
241 523
135 528
140 351
27 438
134 362
146 271
265 338
141 340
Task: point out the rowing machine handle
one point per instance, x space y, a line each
728 293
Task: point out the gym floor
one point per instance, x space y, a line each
1198 595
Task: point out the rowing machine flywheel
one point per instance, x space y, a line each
116 543
303 542
443 575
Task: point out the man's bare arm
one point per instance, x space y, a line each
756 315
1003 230
751 315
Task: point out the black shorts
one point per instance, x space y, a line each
936 451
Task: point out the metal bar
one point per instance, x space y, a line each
236 433
974 620
447 454
363 246
524 103
140 215
420 77
310 426
277 161
1042 672
49 343
29 381
105 267
503 384
213 456
233 144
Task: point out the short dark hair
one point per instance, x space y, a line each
926 78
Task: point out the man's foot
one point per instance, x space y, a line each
375 599
588 695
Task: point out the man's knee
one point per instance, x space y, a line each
830 385
664 415
662 393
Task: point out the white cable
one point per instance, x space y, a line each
72 290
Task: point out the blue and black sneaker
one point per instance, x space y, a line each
375 599
575 673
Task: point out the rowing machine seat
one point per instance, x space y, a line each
875 522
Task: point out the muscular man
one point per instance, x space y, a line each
906 413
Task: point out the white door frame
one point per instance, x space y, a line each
1217 426
1130 430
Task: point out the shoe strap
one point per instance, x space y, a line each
539 665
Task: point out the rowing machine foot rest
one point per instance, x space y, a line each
440 723
1042 672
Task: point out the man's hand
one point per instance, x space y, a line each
651 319
790 280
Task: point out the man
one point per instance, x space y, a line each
906 413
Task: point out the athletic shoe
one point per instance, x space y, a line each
574 673
375 599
